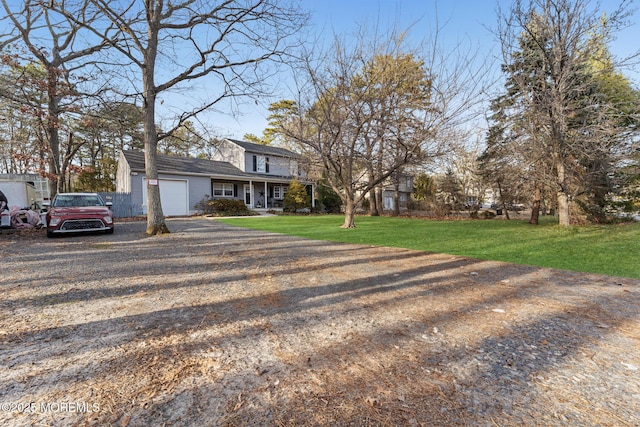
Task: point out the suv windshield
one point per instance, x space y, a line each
77 200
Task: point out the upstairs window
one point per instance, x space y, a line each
261 164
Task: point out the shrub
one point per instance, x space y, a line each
329 200
223 207
487 215
296 197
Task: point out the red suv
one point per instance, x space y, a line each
79 212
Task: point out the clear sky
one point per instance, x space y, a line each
469 21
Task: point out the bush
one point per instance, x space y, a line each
487 215
223 207
328 198
296 197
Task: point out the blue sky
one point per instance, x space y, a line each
460 17
460 20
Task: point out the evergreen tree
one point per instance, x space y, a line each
556 123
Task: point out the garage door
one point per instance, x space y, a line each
173 195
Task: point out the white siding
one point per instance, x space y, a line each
229 152
123 175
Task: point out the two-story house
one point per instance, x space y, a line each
397 189
257 174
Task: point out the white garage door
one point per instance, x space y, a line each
173 195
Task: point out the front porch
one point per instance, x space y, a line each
268 196
258 195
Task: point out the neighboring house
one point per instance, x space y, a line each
403 183
404 187
259 175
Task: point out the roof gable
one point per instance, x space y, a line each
264 149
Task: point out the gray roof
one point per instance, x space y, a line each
265 149
182 165
191 166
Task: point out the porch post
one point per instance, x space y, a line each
251 197
266 195
313 199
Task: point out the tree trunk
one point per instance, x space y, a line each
52 177
56 184
349 213
396 200
504 205
373 203
379 201
535 209
562 196
64 178
563 209
155 218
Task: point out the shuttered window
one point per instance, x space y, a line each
261 164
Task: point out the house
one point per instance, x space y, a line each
257 174
399 184
402 183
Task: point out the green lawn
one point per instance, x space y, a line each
612 249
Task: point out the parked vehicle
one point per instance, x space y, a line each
78 212
516 207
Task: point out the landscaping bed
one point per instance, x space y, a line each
217 325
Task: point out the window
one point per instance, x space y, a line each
261 164
279 191
76 200
223 189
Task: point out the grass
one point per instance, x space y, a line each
611 250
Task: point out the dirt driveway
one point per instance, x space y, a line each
215 325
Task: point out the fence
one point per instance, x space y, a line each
122 206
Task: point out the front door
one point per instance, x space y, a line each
247 195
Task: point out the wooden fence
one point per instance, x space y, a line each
122 206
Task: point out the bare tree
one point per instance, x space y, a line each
371 109
207 50
18 131
45 38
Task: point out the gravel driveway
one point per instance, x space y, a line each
215 325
